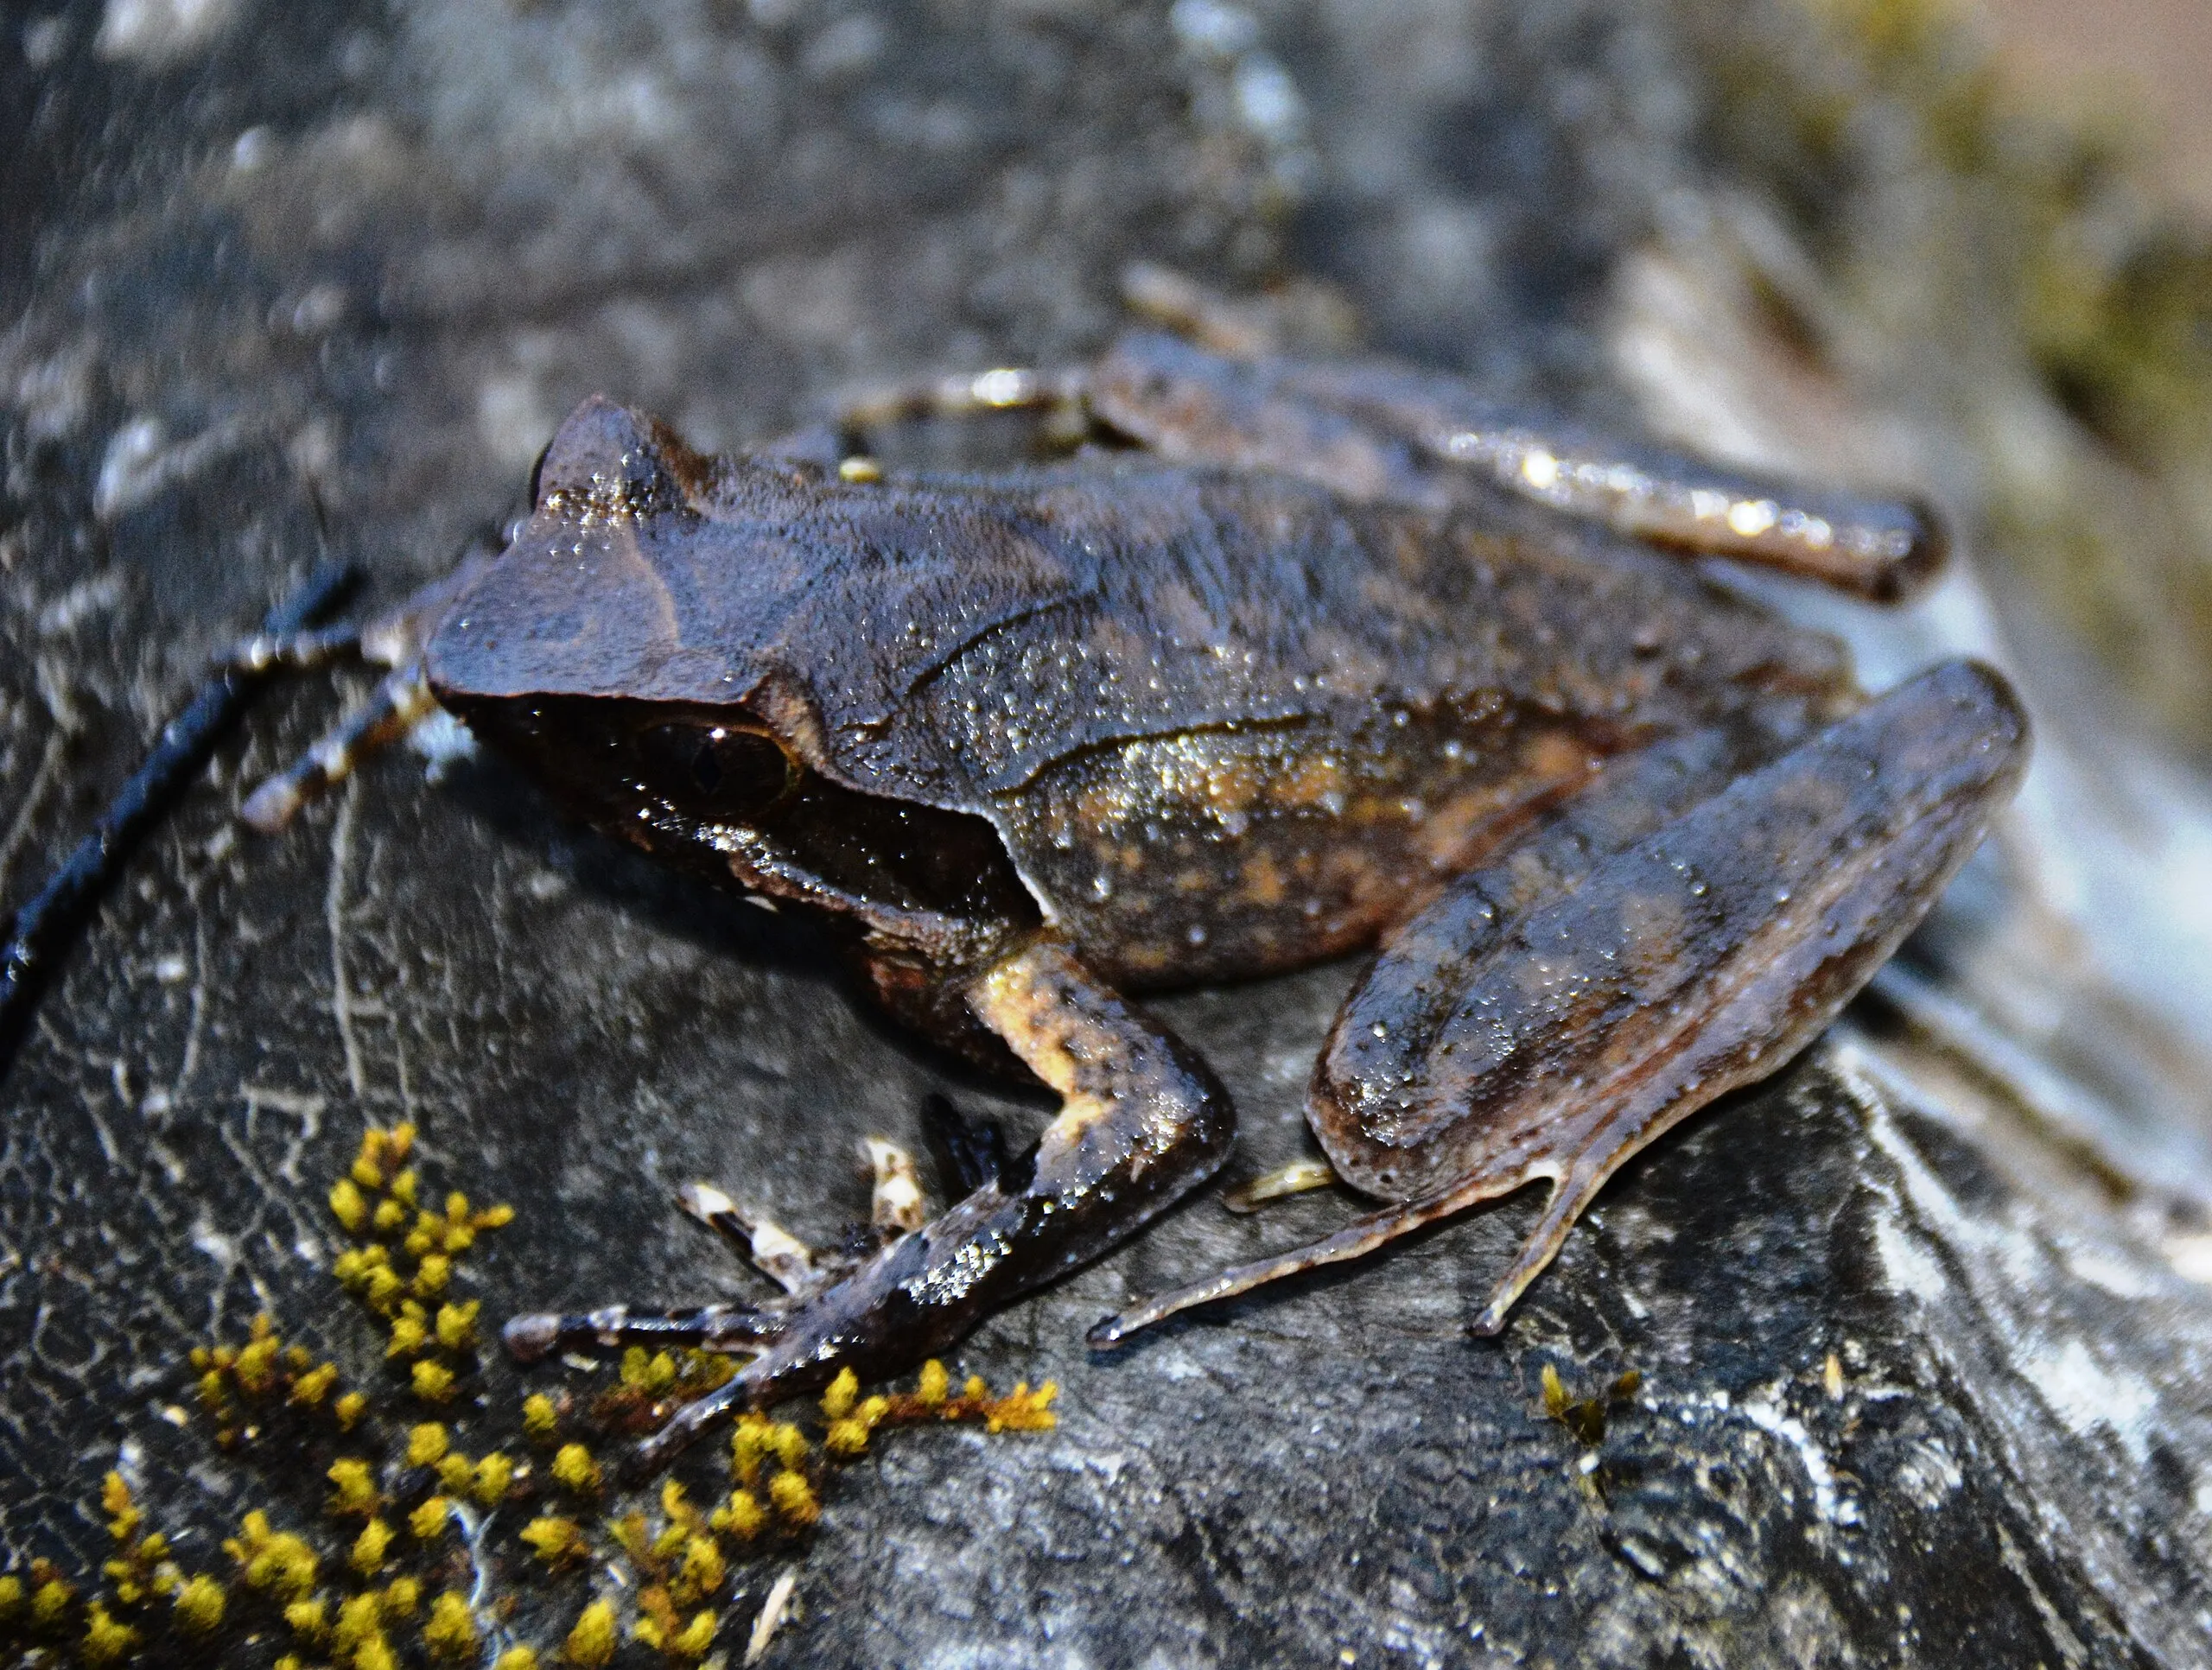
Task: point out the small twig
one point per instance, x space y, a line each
43 928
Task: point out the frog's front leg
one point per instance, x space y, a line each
1143 1120
1519 1030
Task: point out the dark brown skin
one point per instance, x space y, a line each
1337 678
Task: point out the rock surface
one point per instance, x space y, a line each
1922 1368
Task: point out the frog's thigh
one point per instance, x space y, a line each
1686 964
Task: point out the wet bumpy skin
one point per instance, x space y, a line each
1029 739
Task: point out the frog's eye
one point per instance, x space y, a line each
717 769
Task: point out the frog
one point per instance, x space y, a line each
1273 661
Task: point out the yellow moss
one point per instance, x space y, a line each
427 1444
794 1499
308 1618
310 1388
210 1390
375 1654
274 1561
539 1417
651 1375
1024 1411
974 1389
349 1205
935 1383
428 1520
845 1438
356 1483
255 1367
573 1468
630 1535
107 1640
349 1409
1554 1393
742 1515
456 1325
837 1401
390 1214
402 1595
494 1217
517 1657
367 1555
200 1605
456 1473
554 1540
11 1598
115 1500
361 1618
748 1444
787 1443
432 1382
703 1568
450 1630
411 1335
592 1642
432 1275
381 1288
495 1476
403 1186
698 1636
50 1603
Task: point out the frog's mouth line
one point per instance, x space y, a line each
724 795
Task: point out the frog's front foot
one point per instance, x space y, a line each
1142 1122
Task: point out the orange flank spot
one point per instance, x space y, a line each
1262 881
1317 781
1556 757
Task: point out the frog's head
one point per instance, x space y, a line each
636 649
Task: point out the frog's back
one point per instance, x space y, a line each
1235 683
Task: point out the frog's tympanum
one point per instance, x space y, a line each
1332 659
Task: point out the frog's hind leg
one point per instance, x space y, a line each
1520 1029
1142 1123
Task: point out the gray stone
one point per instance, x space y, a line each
297 279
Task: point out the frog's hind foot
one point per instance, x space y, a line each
1142 1123
1356 1240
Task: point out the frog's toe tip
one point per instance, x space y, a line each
530 1337
1107 1333
1489 1324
